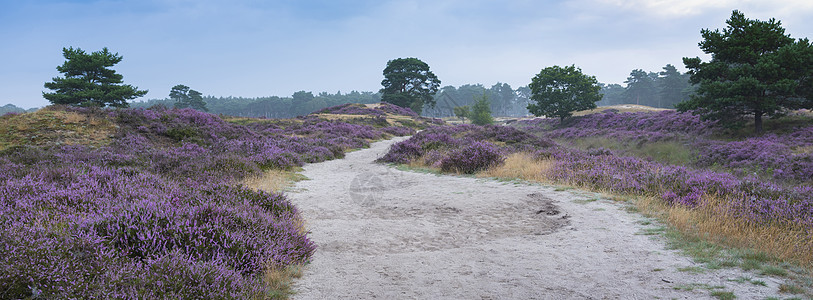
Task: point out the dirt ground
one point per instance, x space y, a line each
390 234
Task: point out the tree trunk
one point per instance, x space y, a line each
758 122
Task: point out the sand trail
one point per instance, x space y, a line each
389 234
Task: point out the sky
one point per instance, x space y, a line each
253 48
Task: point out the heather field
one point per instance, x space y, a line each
709 182
176 203
151 203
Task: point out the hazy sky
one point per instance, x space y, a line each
265 48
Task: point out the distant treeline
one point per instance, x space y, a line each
505 101
11 108
299 104
657 89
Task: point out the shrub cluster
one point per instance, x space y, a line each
464 148
360 109
782 157
639 126
472 158
351 109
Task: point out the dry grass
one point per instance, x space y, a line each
520 166
52 127
279 281
803 150
273 180
786 242
620 108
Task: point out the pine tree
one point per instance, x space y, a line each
88 80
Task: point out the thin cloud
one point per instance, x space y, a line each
688 8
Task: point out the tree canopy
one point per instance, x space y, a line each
185 97
674 87
88 80
462 112
558 92
481 111
755 70
408 82
640 85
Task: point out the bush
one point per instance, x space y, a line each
481 111
472 158
402 152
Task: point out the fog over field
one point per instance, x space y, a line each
262 48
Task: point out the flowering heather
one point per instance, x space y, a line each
770 155
350 109
156 213
636 127
748 198
361 109
396 110
665 121
475 157
784 157
451 143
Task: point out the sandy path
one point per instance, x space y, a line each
384 233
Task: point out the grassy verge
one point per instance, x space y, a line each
667 152
275 180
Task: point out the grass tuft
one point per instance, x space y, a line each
773 271
749 279
723 295
279 281
790 289
274 180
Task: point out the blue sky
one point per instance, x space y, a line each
265 48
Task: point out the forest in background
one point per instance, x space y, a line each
661 89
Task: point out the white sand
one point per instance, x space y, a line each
389 234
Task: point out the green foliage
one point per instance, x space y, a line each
88 80
505 101
182 133
640 86
661 89
674 87
185 97
462 112
481 111
409 83
557 92
756 70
